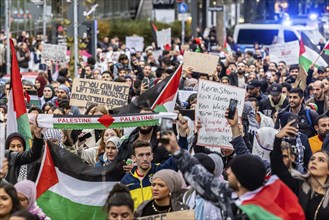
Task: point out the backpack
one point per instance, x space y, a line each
309 120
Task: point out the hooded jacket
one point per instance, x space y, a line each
16 160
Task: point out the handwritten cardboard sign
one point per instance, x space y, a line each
164 37
212 102
202 63
289 52
53 52
87 91
135 42
185 94
186 215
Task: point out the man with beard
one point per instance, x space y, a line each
306 117
322 128
138 179
275 101
146 134
319 98
238 78
253 90
293 73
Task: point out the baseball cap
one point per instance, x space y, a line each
253 84
275 89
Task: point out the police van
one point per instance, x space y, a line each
245 35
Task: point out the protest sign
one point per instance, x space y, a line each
184 94
157 54
163 37
114 56
54 53
86 92
186 215
202 63
212 102
135 42
285 51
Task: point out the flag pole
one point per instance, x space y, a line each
318 56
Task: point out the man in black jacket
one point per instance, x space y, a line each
306 117
144 133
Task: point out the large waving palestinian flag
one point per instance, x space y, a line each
17 116
309 53
67 188
274 201
161 97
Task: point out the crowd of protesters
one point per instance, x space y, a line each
179 175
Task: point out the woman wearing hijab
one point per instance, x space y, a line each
48 95
111 150
40 83
26 191
166 187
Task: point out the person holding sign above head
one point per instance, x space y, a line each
166 186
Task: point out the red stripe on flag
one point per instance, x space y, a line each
47 174
170 90
301 47
16 84
284 202
154 27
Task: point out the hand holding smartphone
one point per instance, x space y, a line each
232 107
84 137
293 117
166 127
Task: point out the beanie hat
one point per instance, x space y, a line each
115 140
205 161
171 178
249 170
219 165
64 88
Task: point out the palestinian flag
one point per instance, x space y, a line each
309 53
68 188
273 201
227 47
101 122
154 34
17 116
326 48
161 97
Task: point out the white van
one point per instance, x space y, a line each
245 35
312 33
